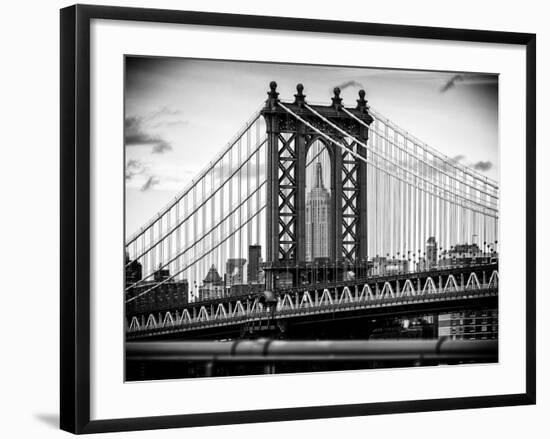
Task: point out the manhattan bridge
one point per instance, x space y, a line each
399 230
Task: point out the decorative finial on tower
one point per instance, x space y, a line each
300 97
272 95
362 102
337 100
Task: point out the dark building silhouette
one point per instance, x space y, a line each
382 266
469 325
404 328
133 271
254 260
243 289
431 253
466 254
172 294
161 275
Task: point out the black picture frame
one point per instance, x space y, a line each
75 217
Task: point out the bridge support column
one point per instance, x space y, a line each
291 129
300 174
362 227
272 192
336 244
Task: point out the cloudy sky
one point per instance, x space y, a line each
179 113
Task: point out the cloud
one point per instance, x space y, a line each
133 167
136 135
482 165
144 176
163 111
469 79
478 166
451 83
448 165
351 83
140 130
165 117
151 181
161 147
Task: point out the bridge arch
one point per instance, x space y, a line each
289 139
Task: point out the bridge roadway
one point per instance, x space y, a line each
426 292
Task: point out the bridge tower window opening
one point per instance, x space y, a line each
319 190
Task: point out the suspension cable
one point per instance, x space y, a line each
195 243
448 199
324 119
425 161
484 179
196 260
253 119
202 204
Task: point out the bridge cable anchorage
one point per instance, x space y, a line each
201 238
131 299
486 180
377 166
251 121
422 160
364 145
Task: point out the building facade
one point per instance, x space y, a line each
234 271
254 261
212 285
172 294
431 253
469 325
317 218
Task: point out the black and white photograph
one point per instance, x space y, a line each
294 218
275 220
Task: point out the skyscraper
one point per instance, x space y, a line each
317 218
234 271
254 257
431 253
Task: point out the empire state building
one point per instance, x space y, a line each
317 218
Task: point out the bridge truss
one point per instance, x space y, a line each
399 294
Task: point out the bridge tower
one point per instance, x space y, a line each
291 130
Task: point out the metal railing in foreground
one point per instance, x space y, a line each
268 350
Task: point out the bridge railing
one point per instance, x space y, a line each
267 350
288 306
